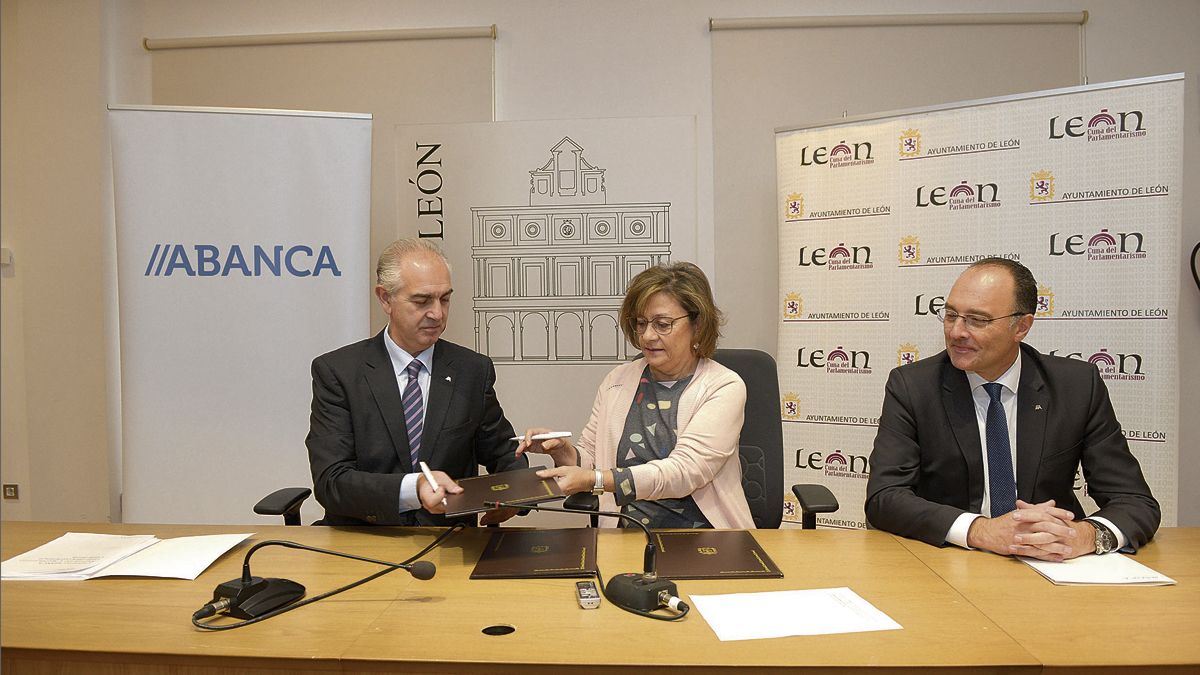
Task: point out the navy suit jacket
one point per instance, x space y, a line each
358 444
927 463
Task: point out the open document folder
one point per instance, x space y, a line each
83 555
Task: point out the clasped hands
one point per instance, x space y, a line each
1041 531
432 495
567 473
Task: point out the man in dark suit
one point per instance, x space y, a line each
953 426
382 405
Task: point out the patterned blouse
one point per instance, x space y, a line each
650 433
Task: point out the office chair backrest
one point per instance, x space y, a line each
754 483
761 444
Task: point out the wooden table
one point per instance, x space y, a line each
952 623
554 634
1085 629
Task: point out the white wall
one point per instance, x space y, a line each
618 58
55 419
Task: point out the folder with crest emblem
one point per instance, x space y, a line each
521 486
531 554
712 554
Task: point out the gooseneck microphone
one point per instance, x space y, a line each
422 569
638 593
252 598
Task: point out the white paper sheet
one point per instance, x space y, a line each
822 611
75 555
1111 569
83 555
178 558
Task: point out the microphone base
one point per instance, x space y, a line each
633 591
260 596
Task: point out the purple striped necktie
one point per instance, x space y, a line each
413 412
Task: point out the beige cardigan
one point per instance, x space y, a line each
704 462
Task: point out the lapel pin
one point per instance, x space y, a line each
448 378
1037 406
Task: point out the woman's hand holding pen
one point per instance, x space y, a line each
560 449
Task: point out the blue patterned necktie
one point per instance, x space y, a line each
1002 486
413 412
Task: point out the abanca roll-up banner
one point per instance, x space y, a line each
243 253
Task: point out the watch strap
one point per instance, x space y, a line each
1106 541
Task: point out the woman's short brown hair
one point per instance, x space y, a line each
686 283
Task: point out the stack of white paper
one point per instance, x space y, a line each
83 555
1111 569
821 611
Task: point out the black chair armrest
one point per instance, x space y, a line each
813 499
283 502
584 501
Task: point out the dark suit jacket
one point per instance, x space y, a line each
358 445
927 463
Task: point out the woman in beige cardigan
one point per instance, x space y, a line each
662 440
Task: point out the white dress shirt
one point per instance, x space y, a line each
1009 382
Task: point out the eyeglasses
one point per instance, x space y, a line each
663 325
949 317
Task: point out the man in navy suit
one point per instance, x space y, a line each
954 426
374 398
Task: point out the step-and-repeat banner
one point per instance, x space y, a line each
242 246
878 217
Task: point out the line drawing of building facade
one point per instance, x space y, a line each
550 276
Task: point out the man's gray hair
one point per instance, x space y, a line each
387 272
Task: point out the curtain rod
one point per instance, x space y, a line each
152 44
1079 18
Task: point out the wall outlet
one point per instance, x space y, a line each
11 491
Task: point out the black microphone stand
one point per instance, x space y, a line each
638 593
250 597
255 599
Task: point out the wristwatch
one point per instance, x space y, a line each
598 488
1106 541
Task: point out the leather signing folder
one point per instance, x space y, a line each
521 486
533 554
712 554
